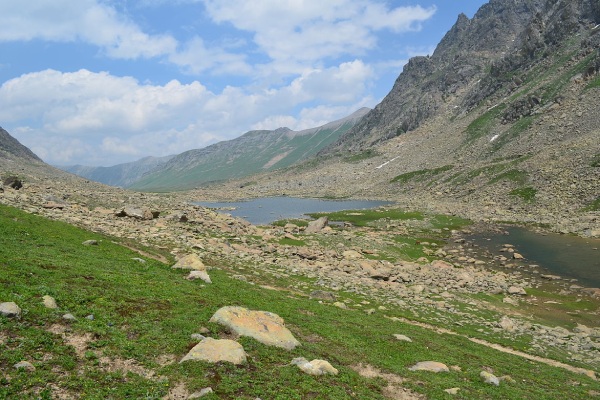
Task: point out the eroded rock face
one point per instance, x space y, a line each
266 327
215 350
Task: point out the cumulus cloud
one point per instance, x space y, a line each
82 20
311 30
119 118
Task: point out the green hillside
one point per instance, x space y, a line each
254 152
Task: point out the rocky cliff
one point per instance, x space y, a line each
478 61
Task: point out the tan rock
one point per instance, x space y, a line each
314 367
213 350
49 302
201 275
431 366
191 261
266 327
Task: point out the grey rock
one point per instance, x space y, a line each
10 310
25 365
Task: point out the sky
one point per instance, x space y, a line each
103 82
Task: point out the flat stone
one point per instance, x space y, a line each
69 317
452 391
402 338
203 392
191 261
90 243
431 366
266 327
26 365
216 350
10 309
314 367
49 302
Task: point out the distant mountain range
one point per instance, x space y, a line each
121 175
253 152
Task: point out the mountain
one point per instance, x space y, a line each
501 122
253 152
502 49
121 175
10 148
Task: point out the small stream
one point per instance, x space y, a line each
568 256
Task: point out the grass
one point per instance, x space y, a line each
594 83
482 125
420 175
514 175
144 311
526 194
365 155
595 161
367 217
594 205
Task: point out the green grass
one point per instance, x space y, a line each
367 217
365 155
526 194
594 205
145 311
482 125
513 175
595 161
420 175
594 83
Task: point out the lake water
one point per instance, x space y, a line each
564 255
266 210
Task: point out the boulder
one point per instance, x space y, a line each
317 226
13 182
191 261
517 290
266 327
314 367
10 310
215 350
196 274
490 378
431 366
507 324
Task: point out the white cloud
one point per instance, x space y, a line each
100 119
310 30
83 20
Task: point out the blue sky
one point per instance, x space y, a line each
102 82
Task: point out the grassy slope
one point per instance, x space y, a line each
144 311
242 161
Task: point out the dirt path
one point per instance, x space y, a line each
548 361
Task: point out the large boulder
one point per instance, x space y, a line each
10 310
317 226
266 327
191 261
